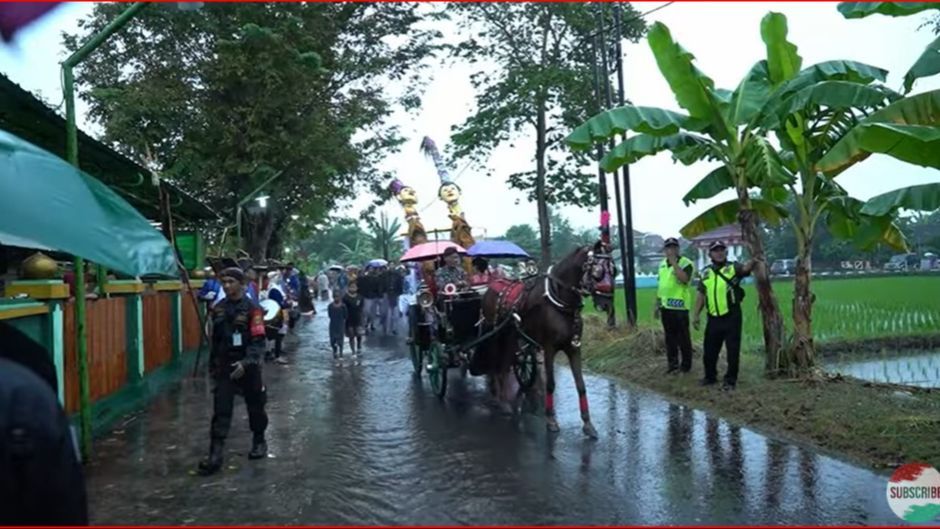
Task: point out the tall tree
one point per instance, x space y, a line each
224 97
524 236
541 87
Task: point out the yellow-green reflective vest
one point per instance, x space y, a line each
719 295
673 294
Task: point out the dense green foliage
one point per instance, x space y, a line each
224 97
541 87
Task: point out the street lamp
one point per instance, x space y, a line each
263 201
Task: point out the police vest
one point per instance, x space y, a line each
671 292
721 294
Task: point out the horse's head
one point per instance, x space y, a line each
578 270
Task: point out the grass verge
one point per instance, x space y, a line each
878 425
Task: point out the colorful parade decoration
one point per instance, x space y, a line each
449 192
408 199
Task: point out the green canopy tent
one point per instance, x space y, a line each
47 203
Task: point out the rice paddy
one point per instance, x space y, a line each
877 329
846 310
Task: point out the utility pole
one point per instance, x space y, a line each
626 269
601 177
628 260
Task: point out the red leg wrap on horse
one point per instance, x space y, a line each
584 404
549 403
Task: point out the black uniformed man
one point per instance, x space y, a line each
720 290
238 344
41 479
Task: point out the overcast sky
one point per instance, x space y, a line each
723 36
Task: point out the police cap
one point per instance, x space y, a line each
717 245
672 241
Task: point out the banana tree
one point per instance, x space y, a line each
719 127
809 111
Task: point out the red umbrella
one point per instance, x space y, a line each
429 250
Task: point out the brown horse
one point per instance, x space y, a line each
549 310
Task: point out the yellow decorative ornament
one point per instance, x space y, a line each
408 199
39 266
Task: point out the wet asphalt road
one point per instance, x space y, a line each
370 444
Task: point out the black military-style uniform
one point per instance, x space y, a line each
238 336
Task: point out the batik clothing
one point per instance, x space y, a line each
449 275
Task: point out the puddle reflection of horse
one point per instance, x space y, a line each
549 311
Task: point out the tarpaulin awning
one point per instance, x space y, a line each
45 202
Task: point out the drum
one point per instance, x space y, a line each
272 313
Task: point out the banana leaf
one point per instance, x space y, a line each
642 145
694 91
727 213
645 120
47 203
924 197
891 9
713 183
926 65
830 94
751 95
837 70
783 61
906 129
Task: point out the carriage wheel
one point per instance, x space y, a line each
526 366
416 360
437 370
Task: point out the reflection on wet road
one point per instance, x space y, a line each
370 444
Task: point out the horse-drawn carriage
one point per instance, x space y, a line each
448 330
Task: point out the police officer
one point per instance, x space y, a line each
720 290
238 344
673 301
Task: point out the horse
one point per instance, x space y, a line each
548 311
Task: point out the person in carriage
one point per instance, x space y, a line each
451 273
482 275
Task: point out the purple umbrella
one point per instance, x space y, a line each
496 250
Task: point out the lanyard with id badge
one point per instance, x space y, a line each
236 339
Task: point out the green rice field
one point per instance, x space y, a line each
845 309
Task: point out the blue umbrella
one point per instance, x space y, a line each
496 249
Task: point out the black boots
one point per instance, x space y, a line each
213 463
259 448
